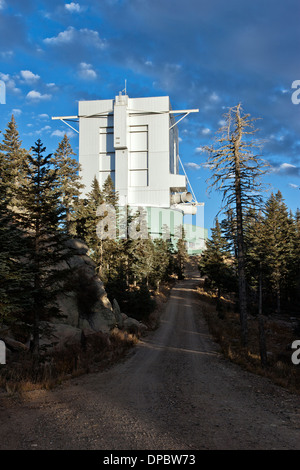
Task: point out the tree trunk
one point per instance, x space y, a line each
36 298
278 298
240 236
36 318
261 326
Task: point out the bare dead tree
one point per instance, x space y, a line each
236 172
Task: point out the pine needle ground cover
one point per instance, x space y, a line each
280 333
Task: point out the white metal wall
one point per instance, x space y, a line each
129 139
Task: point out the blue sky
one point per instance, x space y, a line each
209 55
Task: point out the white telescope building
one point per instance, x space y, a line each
135 141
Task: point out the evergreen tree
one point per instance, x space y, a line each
256 271
161 262
279 245
228 227
180 257
40 215
140 255
86 218
110 196
95 216
295 267
110 246
13 158
67 172
12 242
216 263
11 268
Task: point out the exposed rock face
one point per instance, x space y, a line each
134 326
60 336
85 304
118 314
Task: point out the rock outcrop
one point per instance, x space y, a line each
84 303
84 306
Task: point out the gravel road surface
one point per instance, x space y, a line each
174 391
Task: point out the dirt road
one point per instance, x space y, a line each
173 392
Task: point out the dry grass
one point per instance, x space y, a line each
22 373
280 334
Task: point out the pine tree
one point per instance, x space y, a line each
216 262
13 158
256 271
140 256
180 257
161 262
295 268
40 214
12 242
67 172
110 254
110 196
95 216
279 245
228 228
11 269
236 172
86 219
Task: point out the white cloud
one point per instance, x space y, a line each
6 54
43 116
86 72
199 149
9 82
2 4
286 169
287 166
29 76
4 76
43 129
59 133
73 7
62 37
192 166
294 186
36 96
214 97
71 35
16 112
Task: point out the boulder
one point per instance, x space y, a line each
15 345
134 326
118 314
77 245
85 303
59 336
99 318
